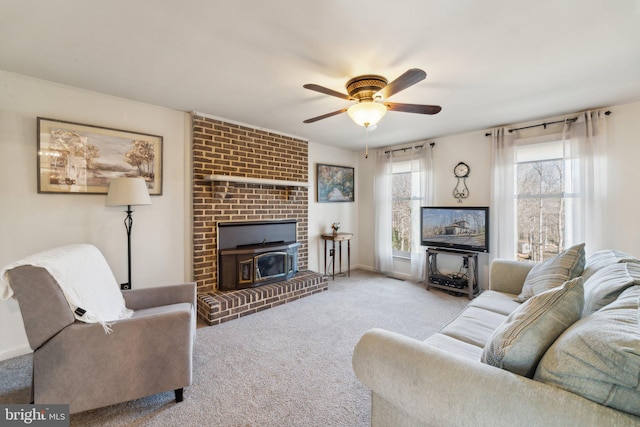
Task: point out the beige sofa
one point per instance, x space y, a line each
448 380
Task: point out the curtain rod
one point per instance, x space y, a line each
545 124
432 144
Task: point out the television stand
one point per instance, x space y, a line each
467 283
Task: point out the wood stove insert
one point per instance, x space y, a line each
271 256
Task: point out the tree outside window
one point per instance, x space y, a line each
541 179
401 213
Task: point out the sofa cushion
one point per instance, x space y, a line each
455 346
603 258
606 284
474 325
599 356
498 302
553 272
519 343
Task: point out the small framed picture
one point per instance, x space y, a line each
335 183
79 158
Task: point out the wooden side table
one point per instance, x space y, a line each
338 237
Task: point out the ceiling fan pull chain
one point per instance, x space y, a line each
366 142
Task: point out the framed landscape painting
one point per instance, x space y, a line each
79 158
335 183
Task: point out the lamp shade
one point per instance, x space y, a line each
367 113
128 191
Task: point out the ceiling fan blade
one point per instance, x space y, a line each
413 108
326 91
324 116
409 78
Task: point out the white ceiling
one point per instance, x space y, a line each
488 62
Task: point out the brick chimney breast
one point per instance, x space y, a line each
221 148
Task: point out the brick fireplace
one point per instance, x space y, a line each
267 180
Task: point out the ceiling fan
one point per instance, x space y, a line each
370 92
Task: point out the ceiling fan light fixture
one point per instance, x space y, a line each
367 113
369 92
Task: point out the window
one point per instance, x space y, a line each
405 206
401 213
548 195
402 184
543 193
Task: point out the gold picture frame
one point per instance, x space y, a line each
82 159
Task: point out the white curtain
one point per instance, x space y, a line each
421 195
383 261
502 227
421 160
585 147
586 139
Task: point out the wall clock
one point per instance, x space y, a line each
461 172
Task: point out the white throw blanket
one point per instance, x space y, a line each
85 278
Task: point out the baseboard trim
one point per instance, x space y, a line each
15 352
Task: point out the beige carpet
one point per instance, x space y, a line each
286 366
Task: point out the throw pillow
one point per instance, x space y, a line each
603 258
599 356
553 272
606 284
524 336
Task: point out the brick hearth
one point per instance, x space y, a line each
220 306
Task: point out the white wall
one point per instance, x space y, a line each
322 215
475 149
624 179
365 172
32 222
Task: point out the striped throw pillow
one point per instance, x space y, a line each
553 272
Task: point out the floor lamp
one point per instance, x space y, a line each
128 192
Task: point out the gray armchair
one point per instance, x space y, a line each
77 363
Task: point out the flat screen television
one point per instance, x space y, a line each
455 228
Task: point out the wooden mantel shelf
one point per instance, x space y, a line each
260 181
